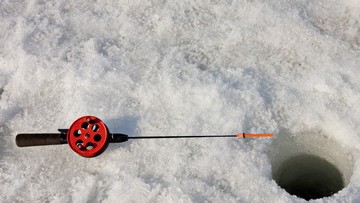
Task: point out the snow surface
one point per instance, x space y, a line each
178 68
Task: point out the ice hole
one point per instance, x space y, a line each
309 177
310 164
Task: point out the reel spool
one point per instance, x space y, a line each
88 136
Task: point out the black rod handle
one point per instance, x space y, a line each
38 139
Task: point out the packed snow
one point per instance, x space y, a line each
178 68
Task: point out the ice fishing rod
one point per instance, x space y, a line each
88 136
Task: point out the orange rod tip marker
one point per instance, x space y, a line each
246 135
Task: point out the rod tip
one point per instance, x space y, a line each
253 135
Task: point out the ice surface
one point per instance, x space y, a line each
177 68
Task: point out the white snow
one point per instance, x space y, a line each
178 68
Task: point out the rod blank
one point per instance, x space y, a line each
182 136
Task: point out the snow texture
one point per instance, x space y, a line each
178 68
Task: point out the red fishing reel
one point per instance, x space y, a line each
88 136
